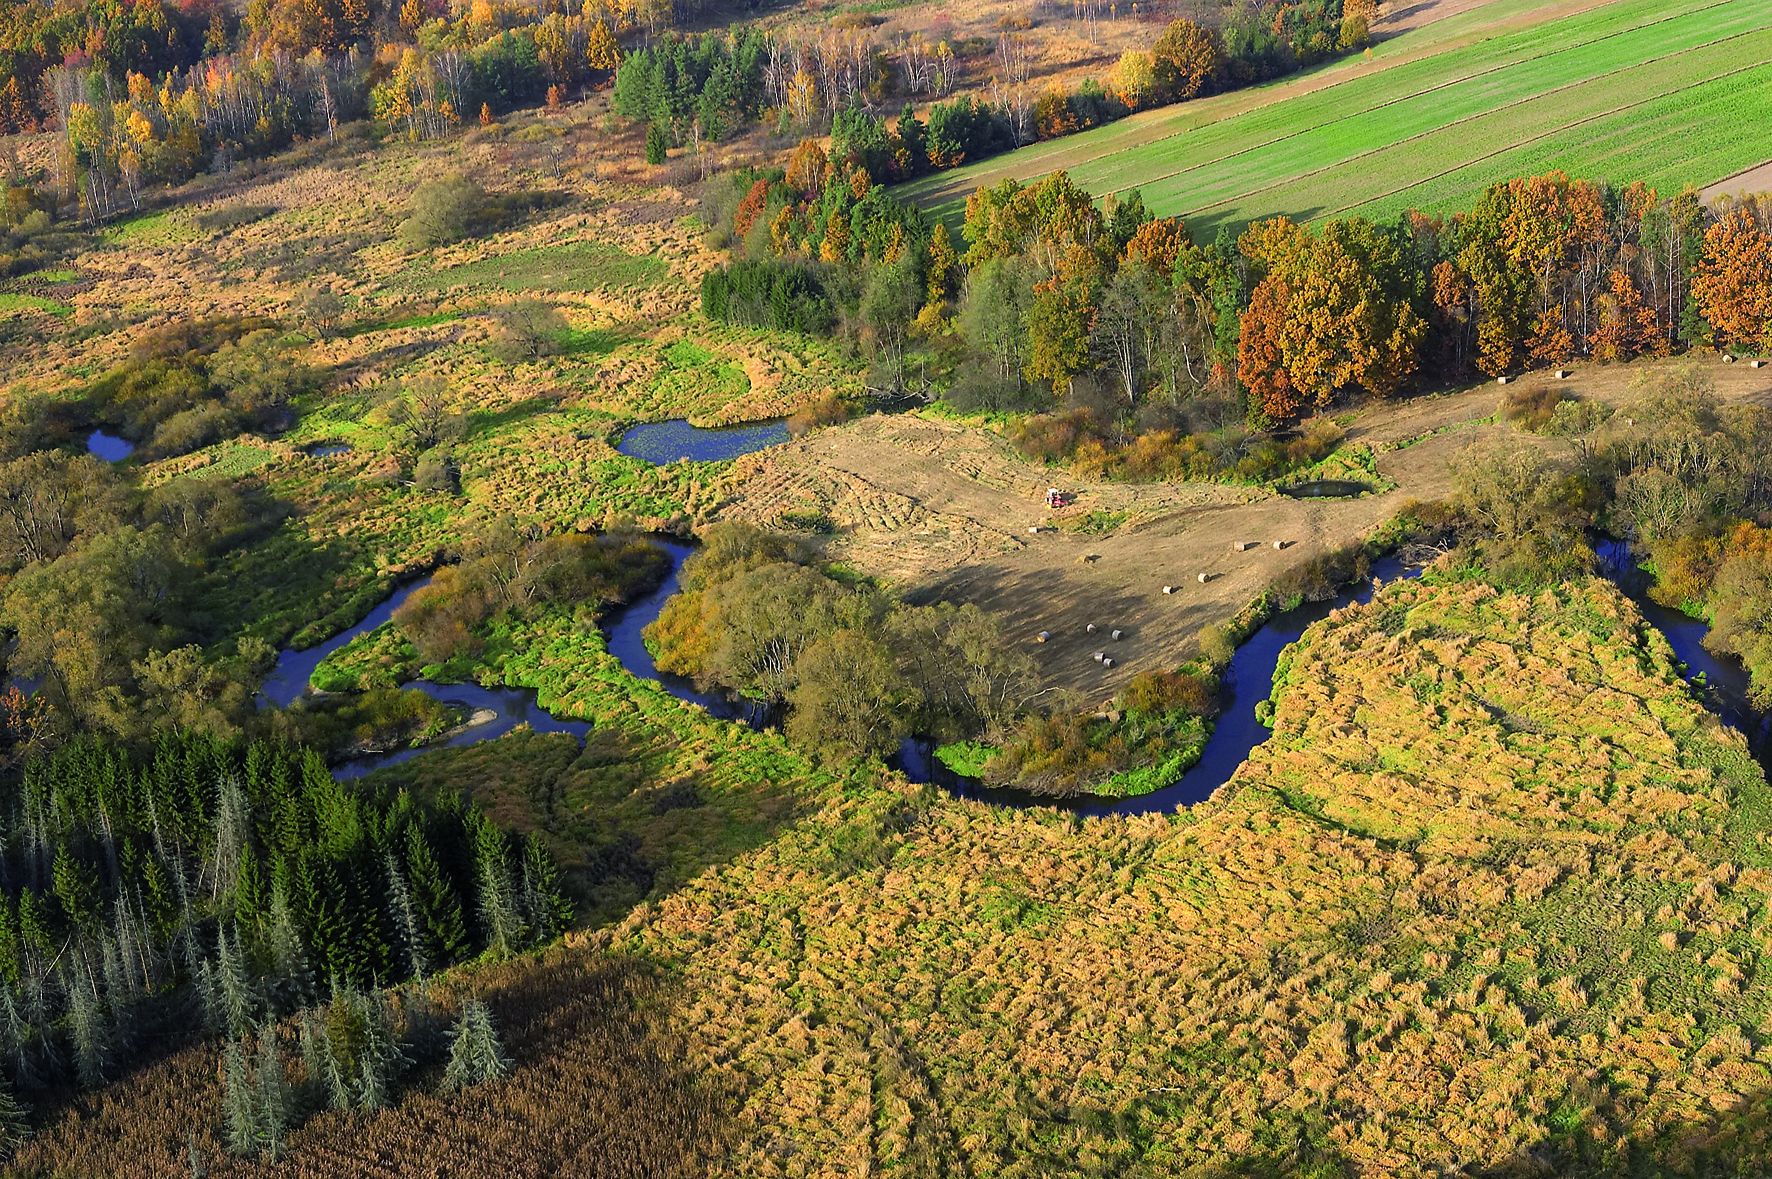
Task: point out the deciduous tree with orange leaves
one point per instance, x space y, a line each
1733 280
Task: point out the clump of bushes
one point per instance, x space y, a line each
191 384
511 568
857 669
1156 728
1078 438
828 409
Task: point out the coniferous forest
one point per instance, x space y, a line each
209 888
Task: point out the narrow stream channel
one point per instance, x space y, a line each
1247 681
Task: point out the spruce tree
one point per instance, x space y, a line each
90 1036
14 1129
410 942
16 1036
273 1094
239 1109
76 888
439 908
249 895
498 912
232 984
318 892
289 962
475 1054
549 912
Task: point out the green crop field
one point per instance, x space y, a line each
1668 93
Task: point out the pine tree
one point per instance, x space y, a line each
475 1054
439 909
238 1107
14 1129
656 146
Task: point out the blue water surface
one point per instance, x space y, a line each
667 442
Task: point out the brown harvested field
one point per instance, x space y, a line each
942 510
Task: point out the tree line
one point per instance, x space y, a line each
703 87
1155 355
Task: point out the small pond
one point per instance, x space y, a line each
1326 489
109 447
326 449
666 442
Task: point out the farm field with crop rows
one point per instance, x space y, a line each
1636 89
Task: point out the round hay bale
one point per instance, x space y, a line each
1099 656
1043 636
1116 634
1089 628
1204 578
1168 589
1107 662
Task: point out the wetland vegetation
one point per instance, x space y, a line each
538 643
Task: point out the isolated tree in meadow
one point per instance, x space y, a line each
475 1054
322 309
1732 283
444 211
423 412
527 330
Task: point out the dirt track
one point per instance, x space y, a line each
942 510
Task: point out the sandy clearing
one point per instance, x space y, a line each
1754 180
942 511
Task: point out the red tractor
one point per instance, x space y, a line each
1056 498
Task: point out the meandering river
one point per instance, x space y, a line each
1246 682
